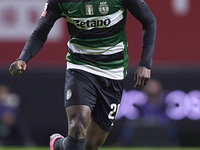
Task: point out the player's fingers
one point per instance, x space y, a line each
146 81
21 67
141 78
142 81
21 70
24 67
135 85
135 76
10 69
136 79
13 70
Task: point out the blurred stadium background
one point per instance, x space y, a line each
38 105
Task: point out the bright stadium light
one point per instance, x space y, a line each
181 105
194 113
175 105
130 101
180 7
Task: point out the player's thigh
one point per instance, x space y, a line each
95 137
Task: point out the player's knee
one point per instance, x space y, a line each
77 130
78 126
78 121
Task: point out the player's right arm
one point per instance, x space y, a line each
37 39
140 10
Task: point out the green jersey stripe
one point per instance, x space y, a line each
102 65
103 42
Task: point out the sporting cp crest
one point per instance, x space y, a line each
103 8
69 94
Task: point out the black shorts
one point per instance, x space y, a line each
101 94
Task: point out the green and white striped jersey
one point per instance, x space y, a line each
97 37
96 28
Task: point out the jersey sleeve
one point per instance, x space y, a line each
37 39
140 10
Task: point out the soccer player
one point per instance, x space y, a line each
96 63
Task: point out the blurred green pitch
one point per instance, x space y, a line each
104 148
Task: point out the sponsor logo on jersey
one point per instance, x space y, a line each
89 9
103 8
91 23
45 10
73 11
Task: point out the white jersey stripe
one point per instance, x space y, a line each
76 48
115 74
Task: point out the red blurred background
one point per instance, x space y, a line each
177 41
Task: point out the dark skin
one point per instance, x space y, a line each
141 76
80 123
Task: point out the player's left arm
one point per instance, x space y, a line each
35 42
140 10
39 36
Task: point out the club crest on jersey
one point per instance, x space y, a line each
103 8
69 94
89 9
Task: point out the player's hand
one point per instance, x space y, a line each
141 76
17 67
